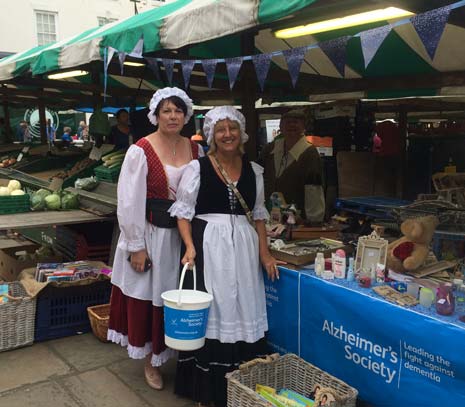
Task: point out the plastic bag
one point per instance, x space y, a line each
87 184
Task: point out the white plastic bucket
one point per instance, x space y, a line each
186 315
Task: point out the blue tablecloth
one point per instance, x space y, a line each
393 355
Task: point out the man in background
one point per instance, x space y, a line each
293 167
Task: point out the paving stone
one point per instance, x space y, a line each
85 352
131 372
40 395
101 388
29 365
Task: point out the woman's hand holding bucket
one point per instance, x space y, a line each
189 256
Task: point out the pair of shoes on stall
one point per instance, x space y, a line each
153 377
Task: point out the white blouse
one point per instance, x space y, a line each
188 190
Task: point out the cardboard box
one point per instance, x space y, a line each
11 265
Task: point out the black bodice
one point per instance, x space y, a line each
215 196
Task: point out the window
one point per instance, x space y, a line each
46 27
105 20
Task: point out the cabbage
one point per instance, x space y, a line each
42 192
13 185
4 191
53 201
17 192
70 201
38 199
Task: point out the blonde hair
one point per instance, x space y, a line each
212 147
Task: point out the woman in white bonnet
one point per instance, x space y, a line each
226 239
148 251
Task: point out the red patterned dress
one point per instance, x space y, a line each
136 315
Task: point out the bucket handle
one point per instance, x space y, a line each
183 273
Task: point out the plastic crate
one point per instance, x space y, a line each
107 174
62 311
15 204
86 172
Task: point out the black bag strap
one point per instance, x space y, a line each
236 192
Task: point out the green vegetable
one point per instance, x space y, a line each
114 165
42 192
53 201
70 201
114 154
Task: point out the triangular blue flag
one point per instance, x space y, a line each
209 67
430 26
121 57
153 65
335 50
169 65
233 66
187 66
294 58
262 66
371 40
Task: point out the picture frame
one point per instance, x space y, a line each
371 250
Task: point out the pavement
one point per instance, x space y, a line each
80 371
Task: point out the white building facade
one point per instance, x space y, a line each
27 23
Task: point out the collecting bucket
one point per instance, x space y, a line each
186 315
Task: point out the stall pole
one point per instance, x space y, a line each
402 179
249 86
6 123
43 123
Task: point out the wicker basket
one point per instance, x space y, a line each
99 315
288 371
17 318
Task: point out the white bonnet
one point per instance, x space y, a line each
221 113
164 93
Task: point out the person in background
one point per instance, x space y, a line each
120 134
51 132
149 247
83 131
217 224
25 132
99 126
66 134
293 167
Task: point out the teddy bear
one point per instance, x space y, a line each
410 251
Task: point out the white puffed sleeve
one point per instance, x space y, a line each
132 193
259 210
188 190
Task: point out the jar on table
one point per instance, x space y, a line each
445 301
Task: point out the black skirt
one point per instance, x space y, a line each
200 375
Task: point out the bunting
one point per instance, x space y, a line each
153 65
430 26
371 40
187 66
262 66
294 58
233 66
121 57
335 50
209 67
169 65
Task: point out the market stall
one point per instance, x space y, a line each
410 357
392 354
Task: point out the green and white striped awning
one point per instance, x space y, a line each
172 26
204 23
